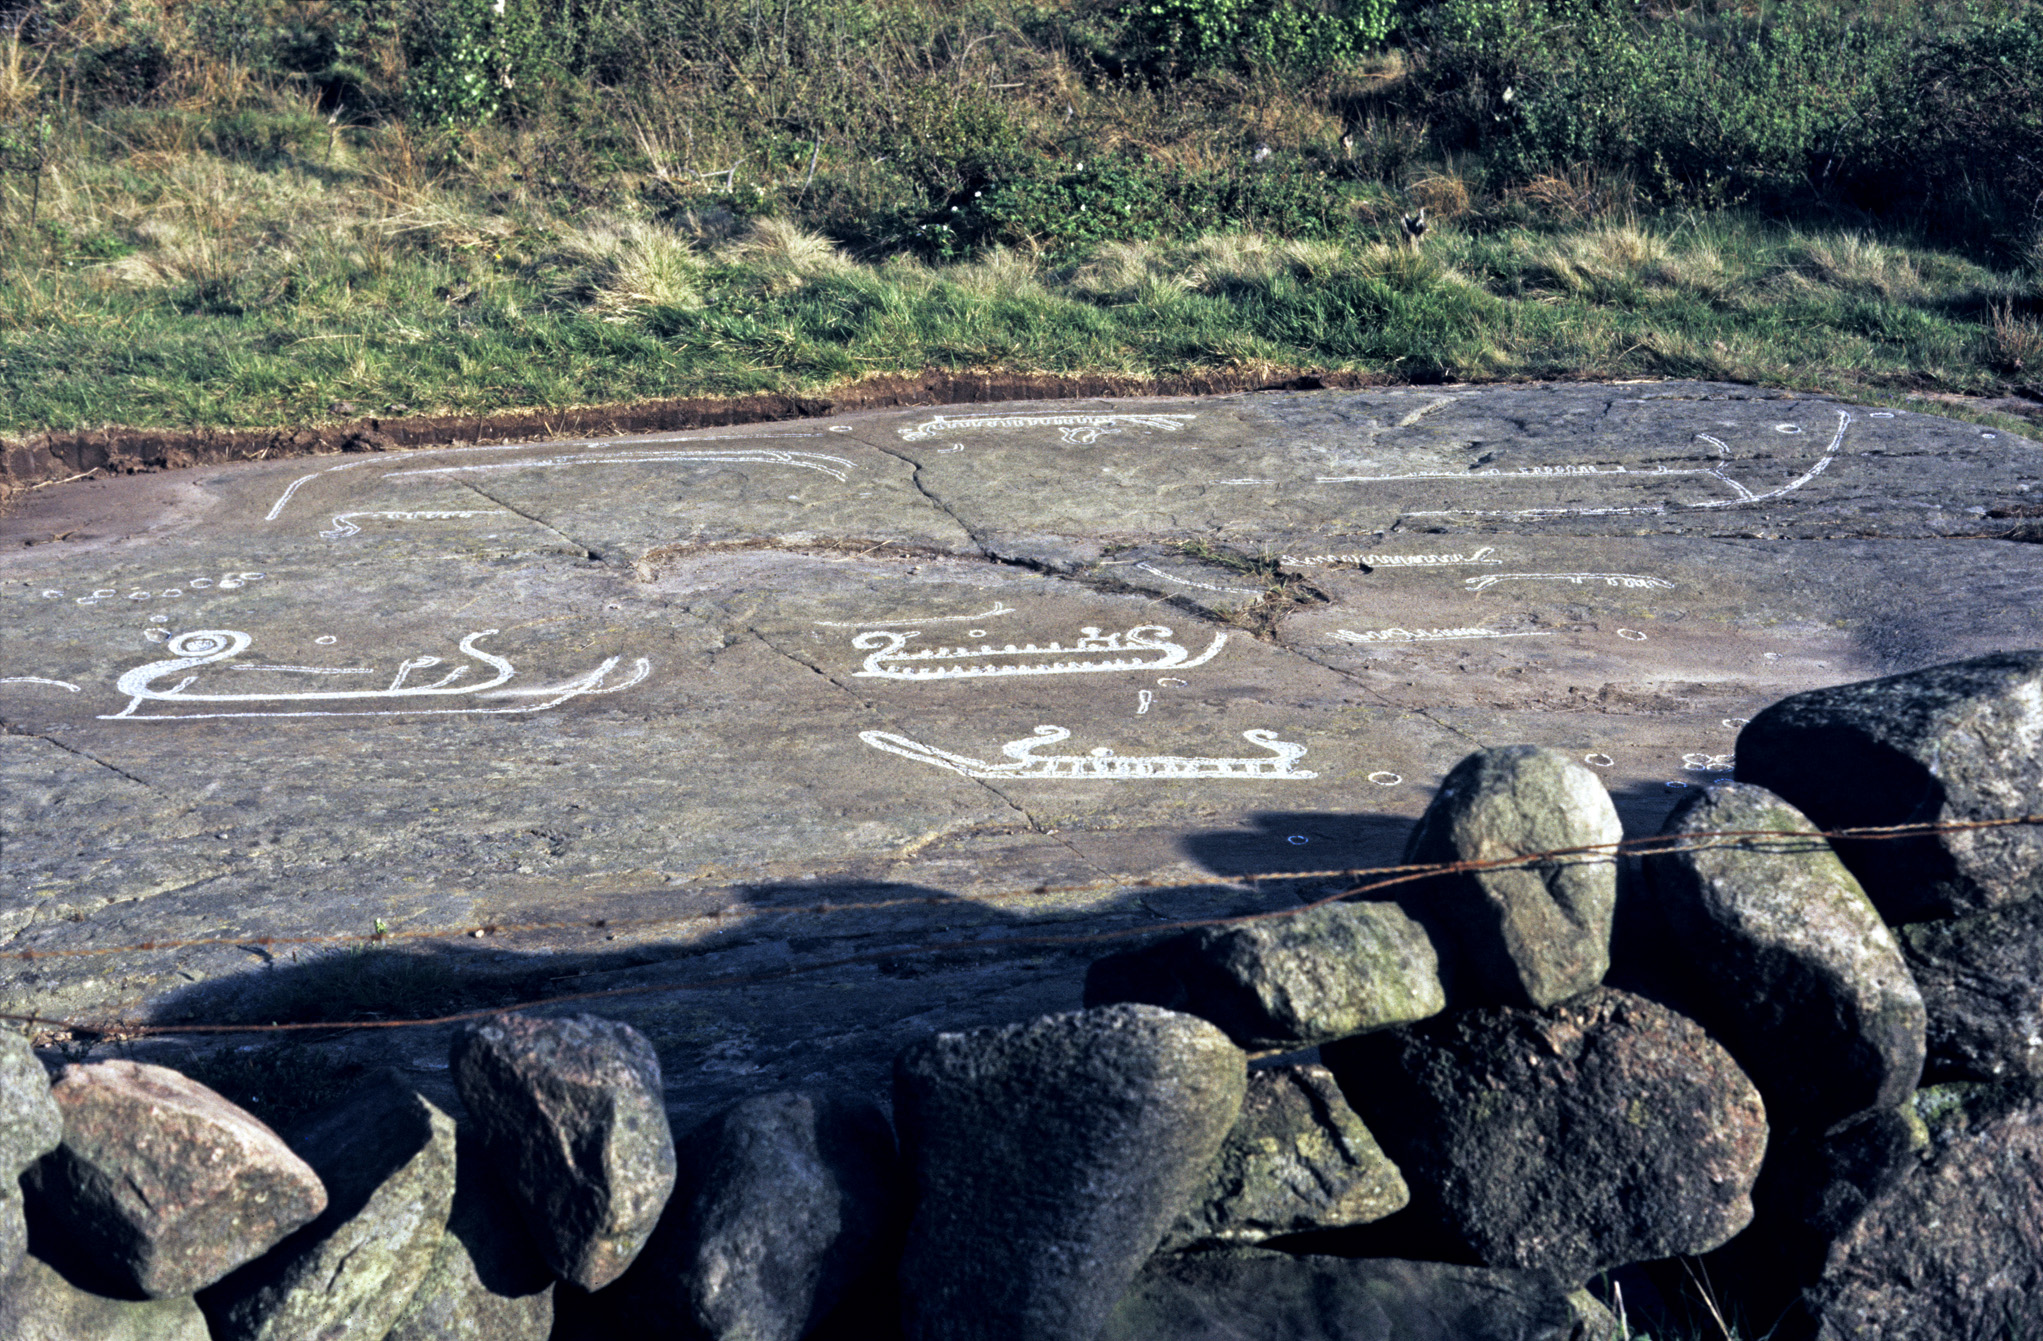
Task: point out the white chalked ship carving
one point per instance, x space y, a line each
212 647
1101 763
1639 580
1142 648
1718 471
1395 635
1078 429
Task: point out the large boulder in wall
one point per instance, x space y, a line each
1786 959
785 1202
161 1186
387 1156
1298 1159
37 1303
1048 1158
1287 982
30 1127
1602 1131
574 1113
1957 742
1251 1295
1980 982
1952 1248
487 1281
1518 935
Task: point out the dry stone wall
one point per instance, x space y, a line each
1512 1104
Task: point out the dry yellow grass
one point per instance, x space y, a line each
627 268
1444 195
1000 273
2014 342
785 256
1858 264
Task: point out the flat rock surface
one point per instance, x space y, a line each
673 684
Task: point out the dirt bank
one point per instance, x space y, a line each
50 457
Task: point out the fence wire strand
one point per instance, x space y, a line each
1371 880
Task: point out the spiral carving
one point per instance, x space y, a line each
207 643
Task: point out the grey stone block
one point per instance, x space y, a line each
487 1281
387 1157
1950 1249
784 1202
1602 1131
1250 1295
575 1115
1519 936
1980 983
162 1184
30 1124
1953 742
39 1304
1791 965
1298 1159
1287 982
1049 1158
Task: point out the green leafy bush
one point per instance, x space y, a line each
1298 36
466 58
1128 198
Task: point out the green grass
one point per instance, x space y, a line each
147 316
247 212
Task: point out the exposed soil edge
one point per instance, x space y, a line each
46 458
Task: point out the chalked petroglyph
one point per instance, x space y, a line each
1102 762
673 683
1078 429
1431 635
1740 494
219 647
1091 652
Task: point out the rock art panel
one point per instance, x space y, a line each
832 655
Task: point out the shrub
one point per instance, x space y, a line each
1123 198
466 58
1300 37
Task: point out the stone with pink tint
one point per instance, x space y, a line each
164 1185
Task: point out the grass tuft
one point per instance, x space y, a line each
2014 341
